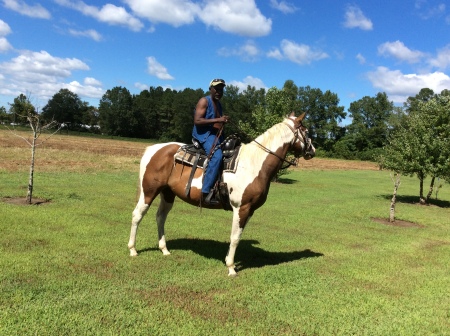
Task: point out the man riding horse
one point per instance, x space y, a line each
207 131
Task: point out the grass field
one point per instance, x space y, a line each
312 260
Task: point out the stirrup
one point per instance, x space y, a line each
210 199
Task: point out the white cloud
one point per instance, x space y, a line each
35 11
399 51
4 45
109 14
90 81
427 12
275 53
90 33
399 86
283 6
442 59
5 29
156 69
141 86
355 18
91 91
247 52
173 12
241 17
42 75
42 63
361 58
297 53
249 80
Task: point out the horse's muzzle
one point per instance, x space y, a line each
310 151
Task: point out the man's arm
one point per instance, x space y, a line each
200 113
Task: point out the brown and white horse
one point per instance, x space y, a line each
248 187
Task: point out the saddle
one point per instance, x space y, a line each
194 155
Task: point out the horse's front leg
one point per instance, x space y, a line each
239 222
167 199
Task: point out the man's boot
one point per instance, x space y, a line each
209 199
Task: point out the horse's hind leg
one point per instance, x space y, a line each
167 199
138 213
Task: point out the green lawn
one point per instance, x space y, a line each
311 261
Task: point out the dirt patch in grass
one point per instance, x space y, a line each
69 153
23 201
397 222
81 153
336 164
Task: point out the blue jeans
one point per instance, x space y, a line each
210 175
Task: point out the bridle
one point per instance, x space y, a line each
299 135
298 132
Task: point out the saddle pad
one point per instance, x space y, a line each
187 156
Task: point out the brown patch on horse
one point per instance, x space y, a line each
163 174
178 182
255 195
157 172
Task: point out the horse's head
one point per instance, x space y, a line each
301 144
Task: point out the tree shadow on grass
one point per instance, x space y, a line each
247 255
415 200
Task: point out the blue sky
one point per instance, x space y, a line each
353 49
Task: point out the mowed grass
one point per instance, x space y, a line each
311 262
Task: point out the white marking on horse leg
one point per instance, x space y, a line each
138 213
236 232
161 216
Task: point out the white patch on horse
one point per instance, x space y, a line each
149 152
197 182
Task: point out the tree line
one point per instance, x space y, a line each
166 114
411 139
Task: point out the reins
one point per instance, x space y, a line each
289 163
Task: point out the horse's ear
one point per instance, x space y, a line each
292 114
300 117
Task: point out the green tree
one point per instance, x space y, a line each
116 113
292 91
90 117
165 114
20 109
264 116
233 106
4 117
64 107
323 116
421 146
412 103
368 131
183 119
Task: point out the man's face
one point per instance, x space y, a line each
217 91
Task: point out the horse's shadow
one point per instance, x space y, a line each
249 256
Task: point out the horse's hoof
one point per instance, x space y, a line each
133 252
165 251
232 273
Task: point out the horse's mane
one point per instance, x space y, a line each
272 139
